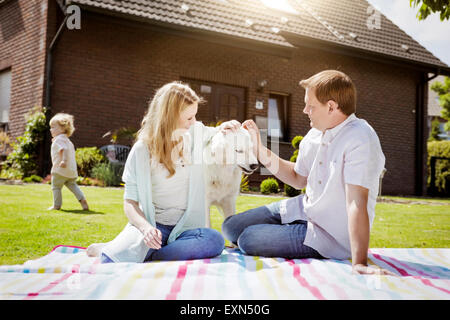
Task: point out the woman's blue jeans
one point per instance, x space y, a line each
200 243
259 232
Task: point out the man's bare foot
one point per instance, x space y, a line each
53 208
84 204
95 249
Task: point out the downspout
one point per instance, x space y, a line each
421 150
47 101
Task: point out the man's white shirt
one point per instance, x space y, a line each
349 153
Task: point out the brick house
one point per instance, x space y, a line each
244 57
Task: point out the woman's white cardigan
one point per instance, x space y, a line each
129 246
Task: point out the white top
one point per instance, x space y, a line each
62 142
170 195
349 153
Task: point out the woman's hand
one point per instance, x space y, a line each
232 125
152 237
63 164
253 129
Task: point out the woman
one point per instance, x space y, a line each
164 198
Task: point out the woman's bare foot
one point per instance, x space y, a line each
95 249
84 204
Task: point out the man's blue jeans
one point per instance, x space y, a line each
197 243
259 232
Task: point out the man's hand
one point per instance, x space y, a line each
63 164
253 130
363 269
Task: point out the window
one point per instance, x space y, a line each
444 135
277 117
5 94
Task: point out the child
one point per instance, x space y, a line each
64 169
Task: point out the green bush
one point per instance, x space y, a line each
33 178
109 173
22 161
296 141
269 185
244 183
290 191
87 158
440 149
90 182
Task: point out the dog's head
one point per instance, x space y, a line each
234 148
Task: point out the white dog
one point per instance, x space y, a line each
227 155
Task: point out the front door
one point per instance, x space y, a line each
223 102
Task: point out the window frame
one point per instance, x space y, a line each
284 100
5 125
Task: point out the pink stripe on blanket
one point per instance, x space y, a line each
314 291
176 286
406 274
31 295
199 285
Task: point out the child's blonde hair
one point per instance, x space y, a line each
65 121
161 120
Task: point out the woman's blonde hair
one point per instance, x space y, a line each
161 119
65 121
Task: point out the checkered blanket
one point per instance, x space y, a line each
68 273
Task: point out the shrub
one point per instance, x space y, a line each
109 173
5 143
296 141
22 161
87 158
124 135
435 130
90 181
11 173
33 178
244 183
290 191
440 149
269 185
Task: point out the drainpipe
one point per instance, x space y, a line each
47 101
421 150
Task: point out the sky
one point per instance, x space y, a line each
431 33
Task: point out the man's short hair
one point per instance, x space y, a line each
333 85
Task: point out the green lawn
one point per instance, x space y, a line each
29 231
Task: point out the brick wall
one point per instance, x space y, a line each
22 49
105 73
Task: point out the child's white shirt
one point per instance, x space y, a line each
62 142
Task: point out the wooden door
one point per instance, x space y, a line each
223 102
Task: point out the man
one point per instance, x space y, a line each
339 162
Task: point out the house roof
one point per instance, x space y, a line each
343 24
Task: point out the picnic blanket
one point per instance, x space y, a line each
68 273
